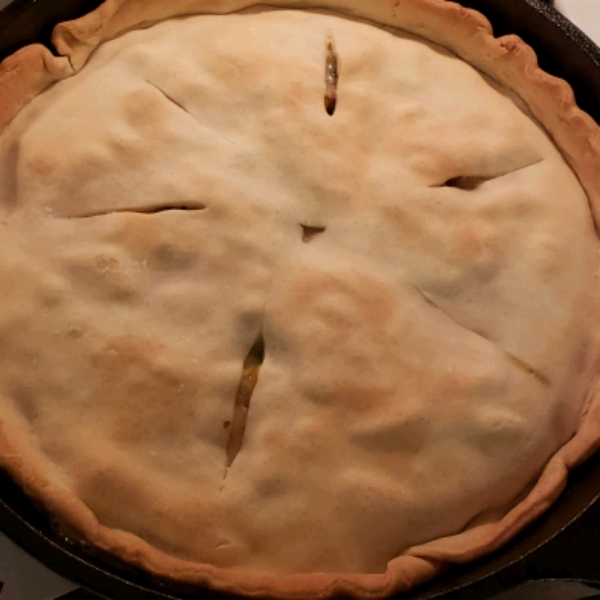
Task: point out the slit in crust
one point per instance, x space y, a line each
472 182
515 360
309 232
248 381
149 210
332 75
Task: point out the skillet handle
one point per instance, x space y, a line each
552 589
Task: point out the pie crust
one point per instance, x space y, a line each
300 300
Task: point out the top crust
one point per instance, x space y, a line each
464 31
507 60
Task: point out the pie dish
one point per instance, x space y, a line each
297 302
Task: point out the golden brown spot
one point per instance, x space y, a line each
106 263
75 332
475 243
127 350
169 257
395 434
136 379
144 109
111 284
43 164
138 236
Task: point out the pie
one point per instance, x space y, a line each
296 301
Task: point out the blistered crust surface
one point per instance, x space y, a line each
466 32
428 347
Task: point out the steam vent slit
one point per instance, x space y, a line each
308 232
466 182
527 368
472 182
148 210
248 381
332 75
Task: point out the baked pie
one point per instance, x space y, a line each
296 301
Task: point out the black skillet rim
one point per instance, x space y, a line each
574 57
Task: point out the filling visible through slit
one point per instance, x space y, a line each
150 210
332 75
248 382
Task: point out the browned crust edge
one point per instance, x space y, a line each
508 60
476 542
35 474
26 74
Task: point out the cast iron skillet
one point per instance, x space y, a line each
564 543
